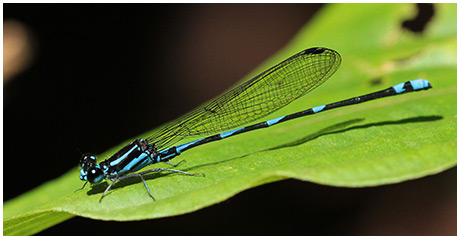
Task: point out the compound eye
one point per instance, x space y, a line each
95 175
87 160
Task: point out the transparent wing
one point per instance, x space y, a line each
255 98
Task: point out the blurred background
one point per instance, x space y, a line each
83 78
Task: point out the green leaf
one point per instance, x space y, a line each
379 142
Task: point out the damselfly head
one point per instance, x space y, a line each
87 160
90 170
95 175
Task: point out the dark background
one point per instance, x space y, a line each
102 73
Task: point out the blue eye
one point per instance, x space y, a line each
87 160
95 175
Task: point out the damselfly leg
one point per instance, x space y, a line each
119 178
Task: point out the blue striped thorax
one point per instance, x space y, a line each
131 158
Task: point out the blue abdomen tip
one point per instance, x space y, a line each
420 84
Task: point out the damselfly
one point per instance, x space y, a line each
258 97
